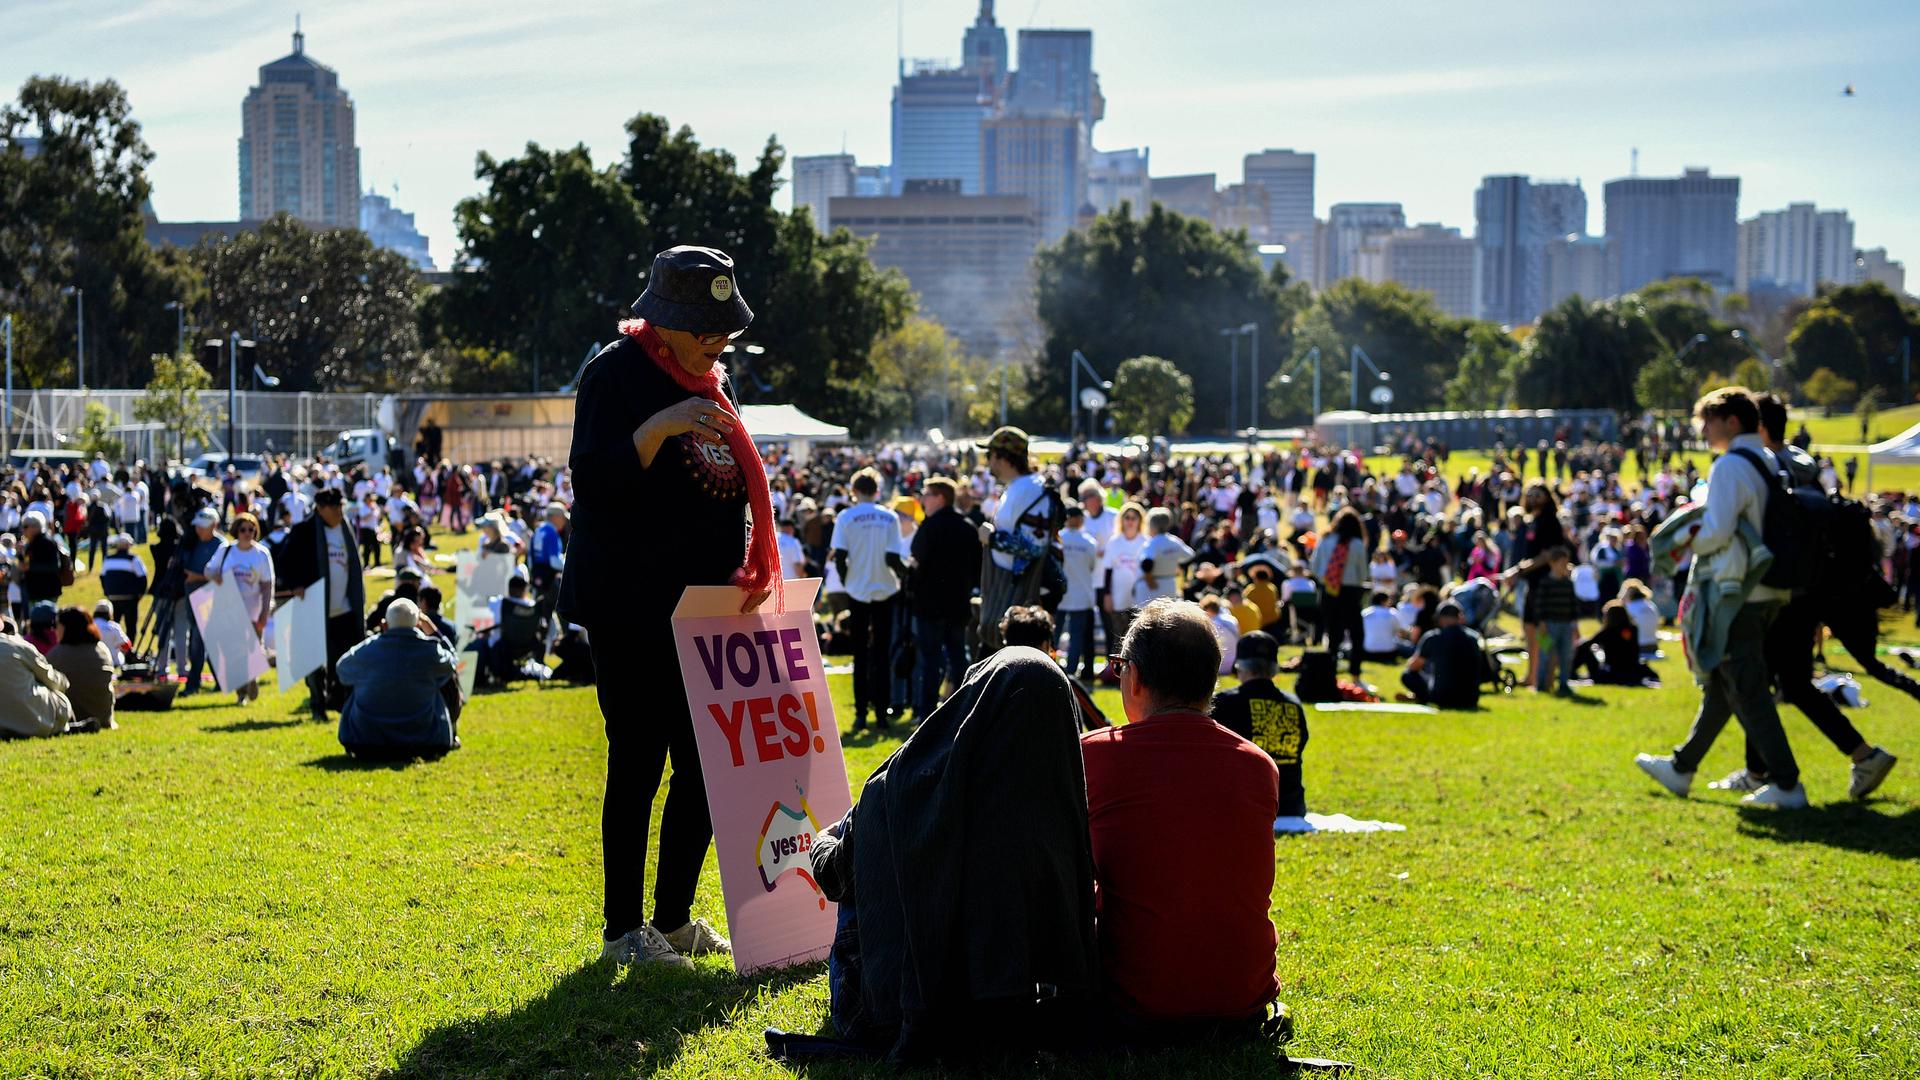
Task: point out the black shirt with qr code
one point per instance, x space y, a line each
1276 722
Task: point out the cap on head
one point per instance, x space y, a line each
407 574
693 289
1449 610
103 609
1257 647
1005 440
42 613
206 517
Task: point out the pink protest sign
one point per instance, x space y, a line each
770 752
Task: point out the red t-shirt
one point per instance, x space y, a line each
1181 812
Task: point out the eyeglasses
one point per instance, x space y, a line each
715 339
1119 665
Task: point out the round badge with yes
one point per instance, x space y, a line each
722 287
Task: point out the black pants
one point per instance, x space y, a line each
369 547
644 730
1790 655
1341 616
870 626
343 633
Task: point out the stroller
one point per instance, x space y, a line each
1480 610
143 685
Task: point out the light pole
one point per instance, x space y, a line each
1077 363
233 344
79 333
1253 381
179 320
6 420
1356 354
1775 374
1697 341
1286 376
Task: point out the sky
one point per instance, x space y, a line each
1411 102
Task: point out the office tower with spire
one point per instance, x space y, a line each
984 50
297 153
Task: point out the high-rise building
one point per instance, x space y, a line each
297 152
1056 73
969 257
1795 250
1117 176
392 229
1428 258
1288 178
984 50
1678 226
1352 226
1244 208
870 181
1872 264
1514 219
1577 265
1042 157
1195 195
936 126
820 177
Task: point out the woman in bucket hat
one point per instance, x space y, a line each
664 476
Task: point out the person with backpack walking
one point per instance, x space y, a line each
1734 677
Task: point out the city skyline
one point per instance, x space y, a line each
1434 111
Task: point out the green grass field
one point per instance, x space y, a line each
218 891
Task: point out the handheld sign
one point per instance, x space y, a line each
770 753
233 650
300 636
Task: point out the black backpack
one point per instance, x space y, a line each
1795 526
1317 681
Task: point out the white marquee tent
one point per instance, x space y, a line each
787 424
1902 449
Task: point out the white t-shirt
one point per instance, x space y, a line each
133 503
1379 629
1384 575
114 638
252 571
1646 620
295 504
1102 528
366 516
868 532
1023 494
1078 558
1123 559
793 558
1168 553
1228 633
337 543
1586 583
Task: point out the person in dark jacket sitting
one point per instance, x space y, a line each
1448 665
1266 716
1612 655
396 710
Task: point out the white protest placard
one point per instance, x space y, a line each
300 636
477 578
770 754
467 662
233 649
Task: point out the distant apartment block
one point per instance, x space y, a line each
297 152
820 177
1352 226
1042 157
1795 250
393 230
1681 226
1514 219
1428 258
1119 176
1288 178
937 114
1578 266
1873 265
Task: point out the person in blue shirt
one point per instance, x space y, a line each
397 709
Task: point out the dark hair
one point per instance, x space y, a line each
1613 616
76 627
517 586
1172 647
1731 402
866 482
1380 599
430 598
331 497
941 486
1347 524
1557 553
1773 415
1027 626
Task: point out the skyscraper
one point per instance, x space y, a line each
1288 178
1578 266
1428 258
393 229
1040 156
1514 219
297 152
1873 265
1117 176
1195 194
820 177
936 126
984 50
1056 72
1351 226
1795 250
1679 226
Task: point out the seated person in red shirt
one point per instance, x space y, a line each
1181 812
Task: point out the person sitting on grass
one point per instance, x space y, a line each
1260 712
964 876
43 626
1645 614
1380 631
1032 627
33 696
396 710
1181 812
83 658
1611 657
115 637
1448 664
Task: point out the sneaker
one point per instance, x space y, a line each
699 938
1771 795
1868 774
1738 780
643 945
1661 769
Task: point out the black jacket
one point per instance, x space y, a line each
946 551
304 557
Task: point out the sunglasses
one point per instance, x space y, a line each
1119 664
715 339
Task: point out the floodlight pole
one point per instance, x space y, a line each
6 420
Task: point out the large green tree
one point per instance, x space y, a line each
1586 355
1824 338
1151 396
1883 322
1164 285
1485 376
328 310
1402 331
70 216
920 371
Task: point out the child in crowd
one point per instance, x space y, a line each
1644 612
1558 610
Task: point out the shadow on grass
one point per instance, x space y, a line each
1856 826
595 1022
255 725
349 763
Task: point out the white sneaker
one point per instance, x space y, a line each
1771 795
1868 774
1738 780
643 946
699 938
1661 769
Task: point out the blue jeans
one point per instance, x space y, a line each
1079 642
1556 652
937 640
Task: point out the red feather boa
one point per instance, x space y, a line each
761 570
